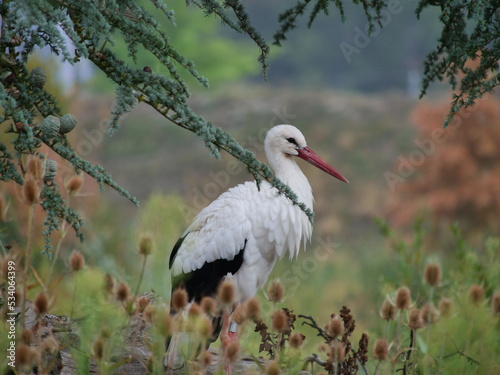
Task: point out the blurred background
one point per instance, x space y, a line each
355 98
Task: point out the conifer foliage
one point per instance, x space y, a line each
75 30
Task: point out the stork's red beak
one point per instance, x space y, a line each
311 157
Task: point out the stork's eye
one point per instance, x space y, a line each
292 140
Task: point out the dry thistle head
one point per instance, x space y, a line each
335 327
432 274
429 313
25 356
232 351
240 314
179 299
337 352
208 305
27 336
253 309
99 348
495 303
50 345
165 323
273 368
476 294
76 261
41 303
205 358
415 319
381 350
296 340
35 167
150 313
204 327
74 184
279 321
276 291
122 292
109 283
145 245
445 306
403 298
141 303
388 310
226 292
31 191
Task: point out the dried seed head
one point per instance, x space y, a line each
25 356
31 191
41 303
403 298
150 313
109 283
388 310
429 313
276 291
495 303
205 358
445 306
335 327
432 274
204 327
208 305
296 340
194 311
273 368
279 321
145 245
50 126
99 348
337 352
50 345
240 314
179 299
74 184
76 261
141 303
226 292
476 293
35 168
165 323
232 351
68 123
253 309
381 350
415 319
122 292
27 336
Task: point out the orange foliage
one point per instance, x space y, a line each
457 174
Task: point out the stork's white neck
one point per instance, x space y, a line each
287 170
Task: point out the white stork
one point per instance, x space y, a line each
246 230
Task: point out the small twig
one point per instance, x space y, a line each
461 353
314 325
313 358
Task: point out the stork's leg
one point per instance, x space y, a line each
229 334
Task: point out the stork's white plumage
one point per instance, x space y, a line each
246 230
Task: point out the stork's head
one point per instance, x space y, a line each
287 141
